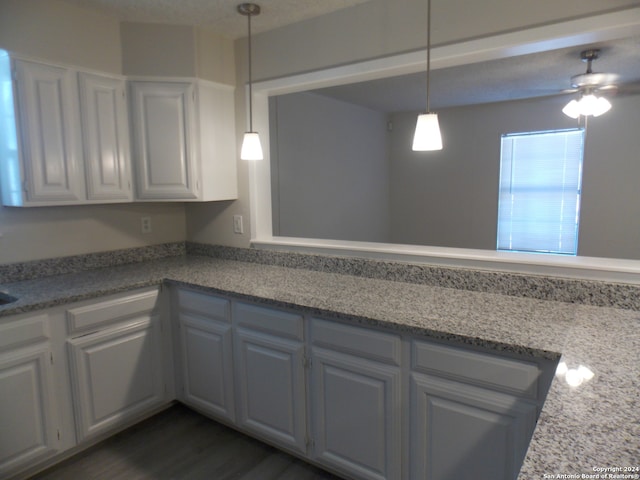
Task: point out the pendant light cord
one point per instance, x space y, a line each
250 83
428 49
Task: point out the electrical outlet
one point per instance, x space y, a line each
145 224
237 224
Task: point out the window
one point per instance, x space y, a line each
539 196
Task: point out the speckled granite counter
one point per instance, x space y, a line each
594 425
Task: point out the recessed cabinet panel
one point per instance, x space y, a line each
103 110
460 432
51 150
27 408
164 134
356 415
117 375
271 379
207 365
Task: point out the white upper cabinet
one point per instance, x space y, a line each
105 133
64 137
163 128
183 140
42 149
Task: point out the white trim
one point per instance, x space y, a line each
604 27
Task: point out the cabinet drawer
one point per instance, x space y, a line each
24 332
112 310
206 305
270 320
359 341
474 367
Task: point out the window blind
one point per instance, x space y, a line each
539 192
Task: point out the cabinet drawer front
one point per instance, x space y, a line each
206 305
24 332
270 320
82 319
358 341
490 370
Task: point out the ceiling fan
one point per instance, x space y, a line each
588 85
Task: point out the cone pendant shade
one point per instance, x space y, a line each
427 136
251 148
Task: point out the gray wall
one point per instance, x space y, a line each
448 198
371 30
329 169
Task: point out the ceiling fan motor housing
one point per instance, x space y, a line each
591 80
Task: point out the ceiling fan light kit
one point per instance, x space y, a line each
587 83
587 105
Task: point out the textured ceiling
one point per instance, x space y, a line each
527 76
539 74
219 15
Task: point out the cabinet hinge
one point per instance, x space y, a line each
58 435
51 357
306 362
308 441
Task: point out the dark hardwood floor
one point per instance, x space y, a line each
183 445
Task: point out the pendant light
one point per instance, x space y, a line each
251 148
427 135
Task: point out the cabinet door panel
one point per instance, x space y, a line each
51 147
163 126
272 387
117 375
207 366
106 140
356 415
27 426
459 432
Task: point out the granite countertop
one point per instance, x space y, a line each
595 425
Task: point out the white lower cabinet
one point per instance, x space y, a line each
366 403
471 414
460 432
205 354
28 416
270 373
356 400
117 369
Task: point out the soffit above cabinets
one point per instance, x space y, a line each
219 15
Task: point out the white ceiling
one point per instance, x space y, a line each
526 76
219 15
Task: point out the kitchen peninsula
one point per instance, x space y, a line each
592 424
